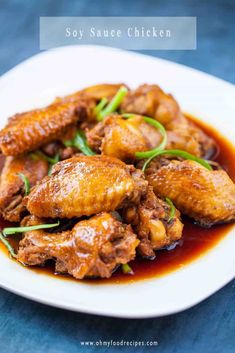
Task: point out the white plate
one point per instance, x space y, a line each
37 81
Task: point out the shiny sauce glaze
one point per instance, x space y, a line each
196 241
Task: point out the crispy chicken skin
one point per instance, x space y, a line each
121 138
12 187
27 131
207 196
182 134
152 224
93 248
82 186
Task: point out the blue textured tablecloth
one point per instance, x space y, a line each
29 327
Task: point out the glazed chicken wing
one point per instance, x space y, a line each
82 186
207 196
122 138
93 248
27 131
152 223
182 134
12 187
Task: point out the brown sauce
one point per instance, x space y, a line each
196 241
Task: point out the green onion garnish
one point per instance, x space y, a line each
8 245
13 230
55 160
50 169
113 104
178 153
100 106
34 156
51 160
172 209
126 269
79 141
158 126
26 183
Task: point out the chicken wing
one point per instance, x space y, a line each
153 225
82 186
182 134
93 248
207 196
27 131
12 187
121 138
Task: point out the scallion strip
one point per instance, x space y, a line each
50 169
26 183
81 144
158 126
51 160
79 141
113 104
55 160
100 106
179 153
172 209
8 245
126 269
34 156
13 230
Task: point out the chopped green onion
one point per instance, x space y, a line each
158 126
113 104
34 156
13 230
50 169
51 160
26 183
100 106
126 269
172 209
68 143
56 159
179 153
8 245
79 141
81 144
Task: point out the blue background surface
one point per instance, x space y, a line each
26 326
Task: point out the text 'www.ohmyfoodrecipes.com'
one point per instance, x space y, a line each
119 343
